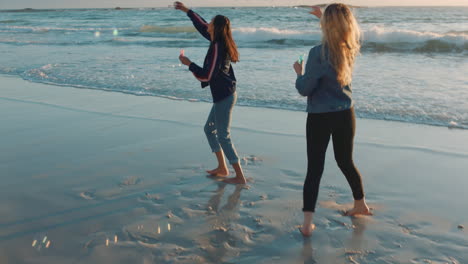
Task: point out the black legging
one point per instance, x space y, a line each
341 126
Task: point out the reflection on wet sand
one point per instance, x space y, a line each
354 247
308 251
359 226
222 239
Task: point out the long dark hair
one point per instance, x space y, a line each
222 33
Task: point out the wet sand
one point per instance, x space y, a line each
99 177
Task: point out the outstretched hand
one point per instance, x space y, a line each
316 11
180 6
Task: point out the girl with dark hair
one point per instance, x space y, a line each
217 73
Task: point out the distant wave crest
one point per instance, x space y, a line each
375 39
382 39
12 21
384 35
158 29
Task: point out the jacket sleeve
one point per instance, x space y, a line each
200 24
307 83
204 74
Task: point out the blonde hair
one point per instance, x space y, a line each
341 36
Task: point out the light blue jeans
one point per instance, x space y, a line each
218 126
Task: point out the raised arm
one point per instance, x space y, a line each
200 24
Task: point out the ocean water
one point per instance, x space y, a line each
413 66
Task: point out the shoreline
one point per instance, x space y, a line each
173 98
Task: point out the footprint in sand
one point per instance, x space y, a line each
333 224
354 255
251 160
148 197
292 173
101 239
189 169
88 195
132 180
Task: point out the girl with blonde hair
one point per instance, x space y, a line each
327 84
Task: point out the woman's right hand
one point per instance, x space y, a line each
316 11
184 60
298 68
180 6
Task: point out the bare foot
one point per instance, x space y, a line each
360 210
218 172
235 180
307 232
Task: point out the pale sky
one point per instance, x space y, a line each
18 4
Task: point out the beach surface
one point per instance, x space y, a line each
89 176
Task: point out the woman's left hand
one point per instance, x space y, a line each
316 11
298 68
184 60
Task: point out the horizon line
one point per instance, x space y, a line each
211 6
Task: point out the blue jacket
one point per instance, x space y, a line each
217 71
319 83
